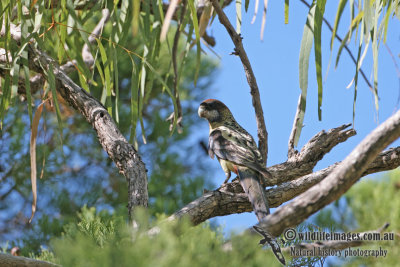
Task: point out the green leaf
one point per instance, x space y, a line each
5 97
107 75
305 50
353 26
143 73
25 62
246 4
135 17
339 13
116 82
286 11
196 31
319 14
134 102
356 82
52 84
375 45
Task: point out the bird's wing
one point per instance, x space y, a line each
235 147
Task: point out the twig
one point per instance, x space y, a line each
251 79
338 181
291 150
177 112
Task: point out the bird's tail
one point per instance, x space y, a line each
250 181
255 191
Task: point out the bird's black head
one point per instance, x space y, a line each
214 111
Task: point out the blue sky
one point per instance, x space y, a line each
275 63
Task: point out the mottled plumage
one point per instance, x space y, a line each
237 152
232 144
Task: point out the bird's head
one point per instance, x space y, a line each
214 111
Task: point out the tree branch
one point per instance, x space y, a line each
231 199
303 162
337 182
114 143
251 79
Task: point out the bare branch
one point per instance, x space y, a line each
114 143
231 199
337 182
86 54
335 244
178 111
291 150
251 79
313 151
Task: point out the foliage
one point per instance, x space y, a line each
177 243
368 206
71 170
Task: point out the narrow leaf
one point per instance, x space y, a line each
246 5
319 14
52 83
238 15
339 13
32 148
286 11
305 50
197 33
264 19
135 17
255 11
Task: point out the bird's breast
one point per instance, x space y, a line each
227 165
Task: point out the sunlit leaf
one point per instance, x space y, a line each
286 11
305 50
353 26
238 15
107 75
255 11
135 17
264 19
339 13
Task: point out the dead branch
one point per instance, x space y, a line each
291 151
231 199
337 182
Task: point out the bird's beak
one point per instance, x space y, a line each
201 111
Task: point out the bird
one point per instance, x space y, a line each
236 152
